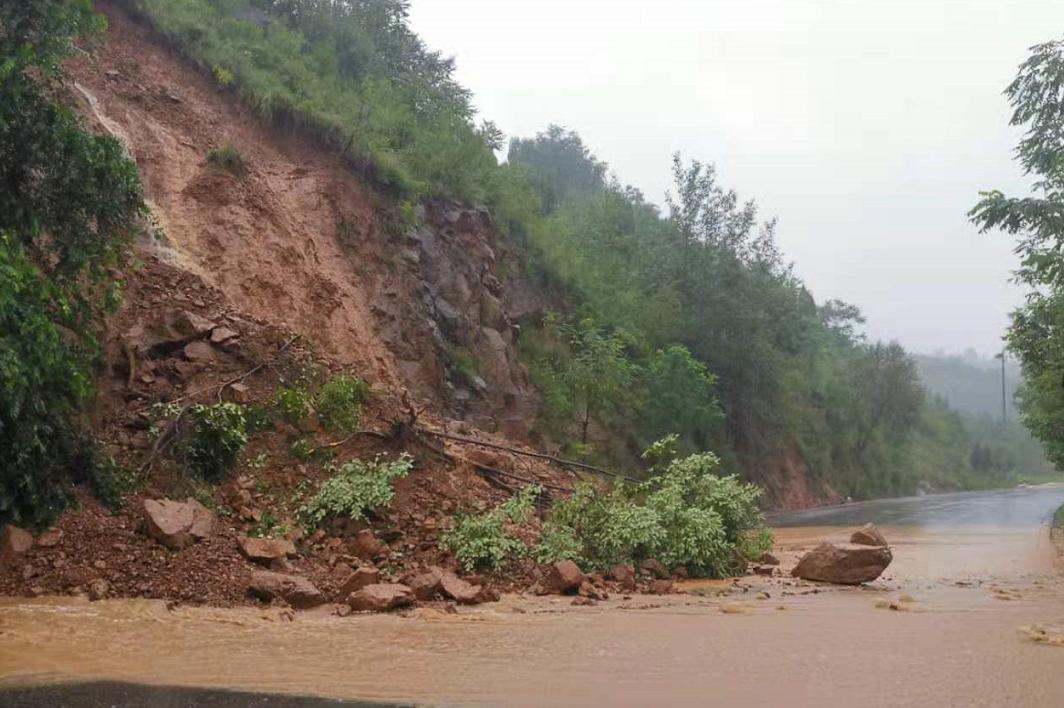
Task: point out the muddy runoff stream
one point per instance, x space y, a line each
975 580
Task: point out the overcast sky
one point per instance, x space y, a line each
867 126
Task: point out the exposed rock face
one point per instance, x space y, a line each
843 563
381 597
358 579
564 577
298 592
266 550
459 590
458 255
14 543
868 535
175 524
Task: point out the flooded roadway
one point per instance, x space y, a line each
970 571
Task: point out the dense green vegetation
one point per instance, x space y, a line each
724 343
69 208
1035 335
684 321
686 514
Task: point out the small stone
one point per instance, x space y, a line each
298 592
198 351
868 535
98 590
661 587
654 568
265 550
426 585
190 325
14 543
381 597
50 538
238 393
365 545
358 579
768 559
223 334
623 574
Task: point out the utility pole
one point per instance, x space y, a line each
1004 417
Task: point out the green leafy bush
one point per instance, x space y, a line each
215 437
339 403
685 516
227 157
69 209
293 404
356 487
481 540
110 481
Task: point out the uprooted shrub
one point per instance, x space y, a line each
339 403
687 515
356 488
214 438
227 157
482 541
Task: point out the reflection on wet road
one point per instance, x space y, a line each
1011 508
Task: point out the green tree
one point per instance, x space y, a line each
680 398
1036 96
70 204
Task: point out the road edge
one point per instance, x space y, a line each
1056 531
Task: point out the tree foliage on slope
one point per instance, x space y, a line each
1037 97
69 205
353 73
711 311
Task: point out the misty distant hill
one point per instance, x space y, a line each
970 383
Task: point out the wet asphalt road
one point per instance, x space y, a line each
1007 508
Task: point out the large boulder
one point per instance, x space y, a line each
14 543
868 535
564 577
843 563
381 597
265 550
176 524
298 592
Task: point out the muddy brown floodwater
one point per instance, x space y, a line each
944 627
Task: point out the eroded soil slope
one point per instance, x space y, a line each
297 239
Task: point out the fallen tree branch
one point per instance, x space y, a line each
537 455
222 386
